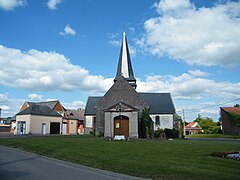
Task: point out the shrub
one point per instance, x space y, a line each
171 133
158 132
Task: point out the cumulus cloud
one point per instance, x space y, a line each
35 97
11 4
74 105
68 31
46 71
198 73
189 87
10 106
198 36
52 4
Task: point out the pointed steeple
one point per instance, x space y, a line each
124 64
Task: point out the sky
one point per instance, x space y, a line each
69 49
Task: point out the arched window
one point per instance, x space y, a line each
157 121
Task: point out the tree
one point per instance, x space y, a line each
207 124
236 105
147 122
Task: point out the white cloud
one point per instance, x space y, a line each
189 87
35 97
198 73
51 99
46 71
11 4
115 43
10 106
204 36
74 105
52 4
68 31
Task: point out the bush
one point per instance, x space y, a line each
171 133
158 132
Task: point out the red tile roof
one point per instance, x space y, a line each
190 124
235 110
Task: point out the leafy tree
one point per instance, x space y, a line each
236 105
235 118
207 124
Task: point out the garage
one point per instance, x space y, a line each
54 128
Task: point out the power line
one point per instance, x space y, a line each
209 107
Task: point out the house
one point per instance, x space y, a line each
118 112
193 128
54 105
229 124
74 121
38 119
48 117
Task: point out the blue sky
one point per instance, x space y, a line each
68 50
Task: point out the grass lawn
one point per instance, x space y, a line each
211 136
157 159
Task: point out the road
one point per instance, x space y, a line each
17 164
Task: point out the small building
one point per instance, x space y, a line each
37 119
193 128
74 122
48 117
229 126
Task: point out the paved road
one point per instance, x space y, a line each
215 139
17 164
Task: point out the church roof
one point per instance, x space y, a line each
124 64
159 103
121 91
91 103
40 110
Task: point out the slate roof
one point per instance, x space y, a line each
235 110
91 103
129 65
159 103
50 104
121 91
40 110
75 114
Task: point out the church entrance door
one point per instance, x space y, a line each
121 126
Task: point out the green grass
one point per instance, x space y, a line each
212 136
157 159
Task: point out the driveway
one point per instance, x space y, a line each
17 164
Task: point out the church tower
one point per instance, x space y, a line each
124 64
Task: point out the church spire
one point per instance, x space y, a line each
124 64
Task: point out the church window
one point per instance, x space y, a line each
157 121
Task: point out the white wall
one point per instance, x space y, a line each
34 123
166 121
89 122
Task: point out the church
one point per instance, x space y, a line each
118 112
